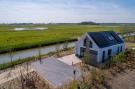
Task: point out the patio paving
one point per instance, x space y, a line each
70 59
55 72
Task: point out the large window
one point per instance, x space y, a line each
90 44
87 42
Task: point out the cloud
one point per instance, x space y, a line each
40 11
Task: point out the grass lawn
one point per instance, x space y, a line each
20 40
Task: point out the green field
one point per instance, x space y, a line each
20 40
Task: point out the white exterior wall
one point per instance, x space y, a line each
114 49
80 43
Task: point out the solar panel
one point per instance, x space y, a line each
106 38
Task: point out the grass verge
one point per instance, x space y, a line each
34 58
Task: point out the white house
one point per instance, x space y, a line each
102 46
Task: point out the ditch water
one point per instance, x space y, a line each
4 58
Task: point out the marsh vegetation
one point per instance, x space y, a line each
56 33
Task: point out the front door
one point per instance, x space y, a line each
109 53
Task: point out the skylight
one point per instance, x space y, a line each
111 37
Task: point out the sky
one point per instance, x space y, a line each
67 11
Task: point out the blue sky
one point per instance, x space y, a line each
45 11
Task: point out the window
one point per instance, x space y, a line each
109 53
87 42
121 48
117 50
111 37
90 44
82 50
103 57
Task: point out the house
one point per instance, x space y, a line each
100 45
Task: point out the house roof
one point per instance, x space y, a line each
105 38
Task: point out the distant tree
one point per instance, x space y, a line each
89 23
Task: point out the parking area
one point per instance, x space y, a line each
55 72
70 59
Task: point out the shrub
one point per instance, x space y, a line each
84 85
86 57
118 58
98 78
73 85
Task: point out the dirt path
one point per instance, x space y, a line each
124 81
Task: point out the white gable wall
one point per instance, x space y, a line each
80 43
94 45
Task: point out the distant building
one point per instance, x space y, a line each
101 46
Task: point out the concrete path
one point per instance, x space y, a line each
70 59
55 72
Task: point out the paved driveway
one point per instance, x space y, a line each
70 59
55 72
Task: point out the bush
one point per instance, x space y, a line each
98 76
84 85
86 57
121 62
118 58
